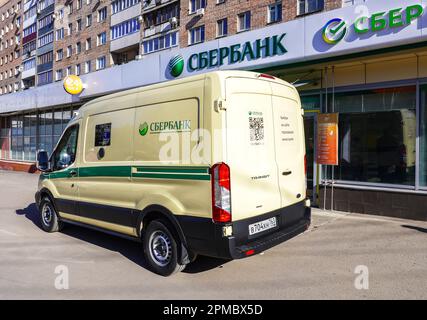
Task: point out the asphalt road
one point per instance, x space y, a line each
319 264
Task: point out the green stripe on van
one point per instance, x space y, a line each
204 170
110 171
172 176
155 172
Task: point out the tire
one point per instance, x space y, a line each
48 216
161 249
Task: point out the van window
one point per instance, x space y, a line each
65 154
103 135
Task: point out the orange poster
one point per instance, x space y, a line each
327 139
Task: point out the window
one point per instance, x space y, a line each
69 51
88 44
70 29
100 63
30 30
79 25
60 34
221 28
244 21
88 67
309 6
101 39
78 69
125 28
59 55
102 14
88 20
423 137
70 8
79 4
103 135
163 42
46 39
347 3
46 22
120 5
197 35
377 136
58 75
61 14
44 78
196 5
45 58
68 71
78 47
29 64
65 153
275 12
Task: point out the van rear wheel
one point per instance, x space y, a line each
161 249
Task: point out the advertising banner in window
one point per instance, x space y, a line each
327 139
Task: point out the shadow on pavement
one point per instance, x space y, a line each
31 213
415 228
127 248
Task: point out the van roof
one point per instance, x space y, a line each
215 75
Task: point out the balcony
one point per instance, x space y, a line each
125 42
160 28
126 14
28 73
155 5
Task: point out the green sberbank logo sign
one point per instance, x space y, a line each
165 126
336 29
237 53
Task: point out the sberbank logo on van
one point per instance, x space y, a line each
236 53
336 29
165 126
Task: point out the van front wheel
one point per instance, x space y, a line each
161 249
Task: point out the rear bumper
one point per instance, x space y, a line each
206 238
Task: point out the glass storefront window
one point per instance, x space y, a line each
423 137
377 135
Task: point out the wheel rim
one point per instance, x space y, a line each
47 214
160 248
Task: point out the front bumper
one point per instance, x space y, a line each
208 239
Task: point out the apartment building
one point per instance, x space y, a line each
45 23
206 20
10 49
125 32
161 20
81 37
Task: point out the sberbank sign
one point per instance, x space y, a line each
336 29
236 53
165 126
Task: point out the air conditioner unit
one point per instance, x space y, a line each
174 22
39 10
200 12
140 19
54 16
138 57
21 68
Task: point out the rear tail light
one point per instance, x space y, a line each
267 76
221 193
305 165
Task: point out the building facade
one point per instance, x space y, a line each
365 60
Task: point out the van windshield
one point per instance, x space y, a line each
65 153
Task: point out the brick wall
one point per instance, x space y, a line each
81 36
230 9
10 50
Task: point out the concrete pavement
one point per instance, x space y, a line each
319 264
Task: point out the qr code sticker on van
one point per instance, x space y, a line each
256 128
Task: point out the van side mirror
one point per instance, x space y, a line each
42 160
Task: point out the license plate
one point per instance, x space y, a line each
261 226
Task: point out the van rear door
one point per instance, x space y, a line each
251 147
289 144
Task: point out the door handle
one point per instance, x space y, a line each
286 173
73 173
